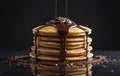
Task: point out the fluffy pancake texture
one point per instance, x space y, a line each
48 45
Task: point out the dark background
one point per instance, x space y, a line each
19 17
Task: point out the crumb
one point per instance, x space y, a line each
103 66
111 70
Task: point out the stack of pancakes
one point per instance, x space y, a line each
48 70
47 43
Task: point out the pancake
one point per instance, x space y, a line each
54 58
52 31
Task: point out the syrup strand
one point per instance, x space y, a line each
56 8
66 8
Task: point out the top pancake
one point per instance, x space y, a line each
50 30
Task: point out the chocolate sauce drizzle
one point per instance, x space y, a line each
36 43
62 25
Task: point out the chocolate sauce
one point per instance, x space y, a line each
62 70
36 43
36 70
63 25
63 30
87 45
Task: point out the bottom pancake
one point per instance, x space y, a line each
57 58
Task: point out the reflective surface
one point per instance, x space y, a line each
10 68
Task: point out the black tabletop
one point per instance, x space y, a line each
105 69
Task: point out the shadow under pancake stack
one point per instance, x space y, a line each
61 40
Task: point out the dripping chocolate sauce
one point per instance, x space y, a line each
62 25
36 44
